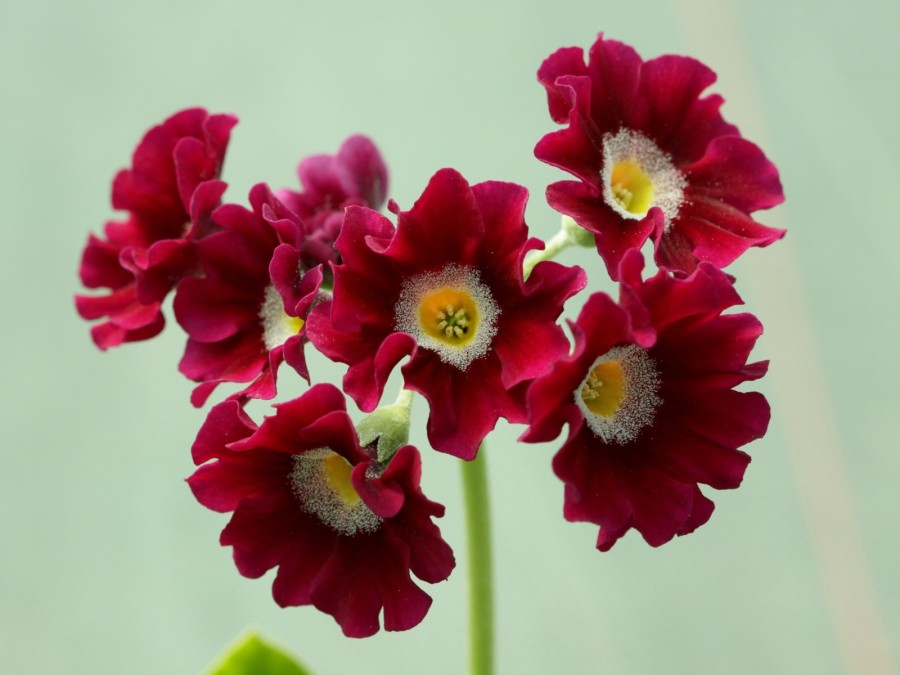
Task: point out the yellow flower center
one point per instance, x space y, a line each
336 471
631 187
293 324
450 312
449 315
321 482
604 389
638 176
620 394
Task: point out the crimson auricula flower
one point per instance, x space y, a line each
246 313
445 287
168 193
355 176
654 158
648 394
345 531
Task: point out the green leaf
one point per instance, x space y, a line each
251 655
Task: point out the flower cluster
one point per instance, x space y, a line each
456 289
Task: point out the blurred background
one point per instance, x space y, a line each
109 566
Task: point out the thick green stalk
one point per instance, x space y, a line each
558 242
481 586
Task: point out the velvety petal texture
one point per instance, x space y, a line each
168 192
445 288
648 395
246 313
355 176
653 157
346 532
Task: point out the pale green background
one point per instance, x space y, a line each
107 564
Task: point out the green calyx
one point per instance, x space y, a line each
387 427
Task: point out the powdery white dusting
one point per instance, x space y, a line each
640 400
466 279
311 487
627 145
277 325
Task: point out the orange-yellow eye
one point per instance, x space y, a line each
637 176
451 312
632 188
449 315
618 396
321 483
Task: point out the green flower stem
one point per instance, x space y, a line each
570 234
481 587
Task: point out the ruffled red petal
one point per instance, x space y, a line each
613 236
564 61
257 534
222 311
465 405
